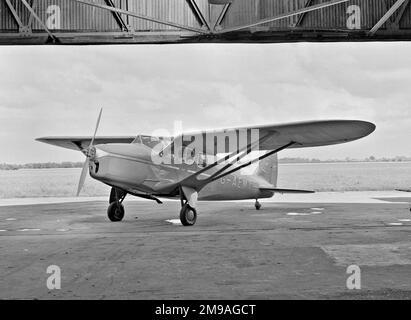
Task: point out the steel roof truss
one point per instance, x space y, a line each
117 16
387 16
198 14
285 15
143 17
51 35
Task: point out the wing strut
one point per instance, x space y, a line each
239 154
253 161
196 184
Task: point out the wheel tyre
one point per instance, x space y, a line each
115 211
188 215
257 206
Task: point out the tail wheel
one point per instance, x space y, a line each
115 211
188 215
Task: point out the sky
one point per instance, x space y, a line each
58 90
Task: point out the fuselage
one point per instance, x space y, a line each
130 167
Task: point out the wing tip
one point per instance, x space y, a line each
368 126
42 139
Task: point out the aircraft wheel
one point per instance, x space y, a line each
188 215
115 211
257 205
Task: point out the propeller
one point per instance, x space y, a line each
88 154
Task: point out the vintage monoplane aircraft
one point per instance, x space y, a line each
137 166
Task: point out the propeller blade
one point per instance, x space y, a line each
97 124
86 163
83 176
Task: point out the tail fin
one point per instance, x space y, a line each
268 169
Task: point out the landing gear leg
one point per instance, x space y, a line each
257 205
115 211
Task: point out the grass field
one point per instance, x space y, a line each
319 177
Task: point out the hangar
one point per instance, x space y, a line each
187 21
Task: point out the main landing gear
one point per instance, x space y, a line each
188 215
257 205
115 211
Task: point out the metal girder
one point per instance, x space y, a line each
15 15
33 5
401 13
199 15
23 29
302 16
221 16
285 15
394 20
51 35
143 17
387 16
117 16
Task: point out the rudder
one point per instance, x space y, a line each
268 169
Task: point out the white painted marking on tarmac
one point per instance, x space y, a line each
317 209
28 230
174 221
11 219
404 220
304 213
3 230
62 230
395 224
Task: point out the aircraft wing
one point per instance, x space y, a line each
303 134
80 143
279 137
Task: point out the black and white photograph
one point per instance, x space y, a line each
222 151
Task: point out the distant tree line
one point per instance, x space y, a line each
44 165
369 159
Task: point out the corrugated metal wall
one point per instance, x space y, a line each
73 16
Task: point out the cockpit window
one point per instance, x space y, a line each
150 141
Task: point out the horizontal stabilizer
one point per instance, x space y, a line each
277 190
